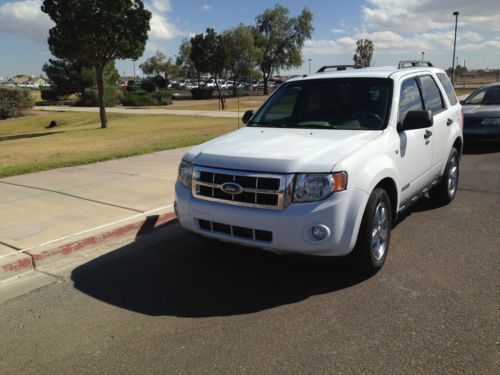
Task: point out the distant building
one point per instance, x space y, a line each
20 78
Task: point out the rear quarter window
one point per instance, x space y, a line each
431 94
448 88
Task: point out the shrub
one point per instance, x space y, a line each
50 94
149 85
141 98
13 102
202 92
112 97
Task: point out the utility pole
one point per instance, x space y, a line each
309 66
133 61
423 54
454 48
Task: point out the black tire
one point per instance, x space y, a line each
364 257
443 193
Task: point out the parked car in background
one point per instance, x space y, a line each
482 112
190 84
227 85
212 83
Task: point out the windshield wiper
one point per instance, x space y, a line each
267 123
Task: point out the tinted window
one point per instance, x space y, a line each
448 87
409 99
340 103
476 97
432 96
492 95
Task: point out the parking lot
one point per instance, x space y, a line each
190 305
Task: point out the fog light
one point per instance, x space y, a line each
319 232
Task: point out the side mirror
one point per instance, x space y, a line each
416 120
462 102
247 116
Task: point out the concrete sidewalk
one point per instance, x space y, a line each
45 216
144 111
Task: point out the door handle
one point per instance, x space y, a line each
449 122
427 134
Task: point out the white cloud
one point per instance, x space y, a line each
391 42
161 6
206 7
161 27
422 15
25 18
337 31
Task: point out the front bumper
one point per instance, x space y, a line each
341 213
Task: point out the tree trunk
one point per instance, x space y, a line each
266 77
100 91
221 99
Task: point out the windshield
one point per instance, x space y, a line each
335 103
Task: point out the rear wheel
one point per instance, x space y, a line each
445 192
374 235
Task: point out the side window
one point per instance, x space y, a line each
448 87
432 96
409 99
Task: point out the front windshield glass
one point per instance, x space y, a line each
337 103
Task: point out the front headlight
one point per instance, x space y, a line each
185 174
315 187
491 121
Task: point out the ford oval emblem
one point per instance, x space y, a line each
231 188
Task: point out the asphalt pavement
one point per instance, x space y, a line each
183 304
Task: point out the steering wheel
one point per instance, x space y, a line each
365 115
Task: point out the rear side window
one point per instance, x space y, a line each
409 99
448 87
432 96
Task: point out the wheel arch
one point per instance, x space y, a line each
389 185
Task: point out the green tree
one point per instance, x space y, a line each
241 52
187 69
279 40
72 78
160 65
209 55
95 32
364 53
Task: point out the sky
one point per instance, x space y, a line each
400 30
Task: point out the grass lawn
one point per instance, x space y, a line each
246 103
26 146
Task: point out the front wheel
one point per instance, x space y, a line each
446 190
374 236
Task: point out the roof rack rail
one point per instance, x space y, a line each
336 67
413 63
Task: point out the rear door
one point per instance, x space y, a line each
434 102
415 146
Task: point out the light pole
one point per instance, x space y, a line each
423 54
454 48
134 67
309 66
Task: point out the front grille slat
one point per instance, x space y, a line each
236 231
258 189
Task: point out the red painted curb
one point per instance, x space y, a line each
18 265
91 241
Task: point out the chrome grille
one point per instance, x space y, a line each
271 191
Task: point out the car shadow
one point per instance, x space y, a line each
188 276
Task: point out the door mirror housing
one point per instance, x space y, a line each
247 116
462 102
416 120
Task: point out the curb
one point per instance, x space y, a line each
23 261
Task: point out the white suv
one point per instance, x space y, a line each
327 163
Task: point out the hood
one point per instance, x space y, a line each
490 110
280 150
